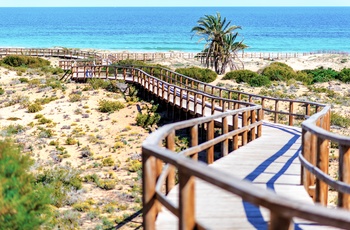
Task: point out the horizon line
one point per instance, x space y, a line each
162 6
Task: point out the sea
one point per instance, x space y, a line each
163 29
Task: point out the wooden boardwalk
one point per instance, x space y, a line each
272 166
269 162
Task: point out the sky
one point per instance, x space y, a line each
121 3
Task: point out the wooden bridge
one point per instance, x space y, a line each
240 171
266 175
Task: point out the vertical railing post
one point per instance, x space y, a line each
279 222
149 179
186 201
252 133
322 161
235 127
263 107
291 108
276 112
194 140
244 124
224 145
210 136
170 144
344 176
260 117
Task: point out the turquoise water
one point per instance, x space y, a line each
265 29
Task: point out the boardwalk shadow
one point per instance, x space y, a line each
253 212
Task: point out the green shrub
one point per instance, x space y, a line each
35 107
52 70
45 133
75 97
107 184
259 80
148 118
278 71
134 166
26 61
24 204
339 120
322 75
12 130
43 101
71 141
82 206
97 83
60 180
240 76
108 161
106 106
23 80
303 77
344 75
204 75
2 91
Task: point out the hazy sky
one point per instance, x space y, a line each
174 3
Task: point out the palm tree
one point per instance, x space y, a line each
220 47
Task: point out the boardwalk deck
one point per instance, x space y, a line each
274 166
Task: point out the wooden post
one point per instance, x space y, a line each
170 180
291 117
186 201
235 127
260 117
321 193
203 105
252 133
224 130
307 109
279 222
194 140
210 136
244 124
344 169
276 112
212 106
263 107
149 179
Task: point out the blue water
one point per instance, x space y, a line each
265 29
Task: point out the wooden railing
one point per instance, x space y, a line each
316 140
59 52
159 165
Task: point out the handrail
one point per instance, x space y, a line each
315 156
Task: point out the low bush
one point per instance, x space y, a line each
97 83
322 75
106 106
13 130
339 120
278 71
148 118
204 75
60 180
240 75
134 166
25 61
35 107
2 91
259 80
344 75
